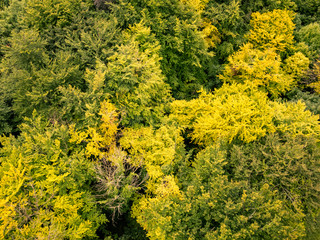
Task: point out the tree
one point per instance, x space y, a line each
30 79
134 79
267 5
44 191
228 18
259 61
312 101
272 30
53 13
308 11
288 164
260 68
4 4
240 112
309 35
158 151
213 207
184 39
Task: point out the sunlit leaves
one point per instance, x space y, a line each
272 30
43 186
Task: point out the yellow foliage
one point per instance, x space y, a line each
40 197
153 149
109 125
297 65
153 206
234 111
199 5
101 137
168 187
210 33
316 85
13 179
294 119
261 68
240 111
272 30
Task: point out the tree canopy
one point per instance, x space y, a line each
159 119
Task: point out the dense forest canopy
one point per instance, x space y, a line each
160 119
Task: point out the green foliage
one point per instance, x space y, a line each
25 49
23 53
126 127
312 101
30 79
228 20
50 13
10 18
289 164
95 39
44 190
267 5
134 79
184 38
308 11
213 207
84 105
4 3
310 35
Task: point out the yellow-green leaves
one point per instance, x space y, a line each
214 207
50 13
260 68
42 188
272 30
134 78
292 118
240 112
233 112
316 73
297 65
99 137
153 149
259 62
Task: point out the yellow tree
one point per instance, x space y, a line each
272 30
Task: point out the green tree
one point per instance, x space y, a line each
10 18
228 18
308 11
4 3
213 207
30 79
183 35
134 79
312 101
309 35
53 13
44 185
267 6
288 164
